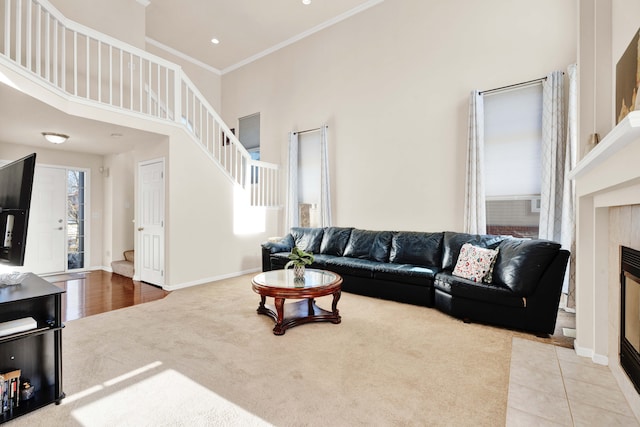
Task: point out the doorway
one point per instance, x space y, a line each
57 231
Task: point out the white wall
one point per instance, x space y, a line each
625 19
93 162
392 83
606 28
121 19
202 242
206 80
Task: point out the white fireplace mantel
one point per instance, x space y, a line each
627 131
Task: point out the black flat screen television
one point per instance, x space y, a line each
16 184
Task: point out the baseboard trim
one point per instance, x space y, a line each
600 359
587 352
179 285
209 279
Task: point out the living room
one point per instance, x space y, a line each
353 79
392 83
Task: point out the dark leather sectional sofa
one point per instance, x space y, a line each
417 267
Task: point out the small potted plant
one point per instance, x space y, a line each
299 259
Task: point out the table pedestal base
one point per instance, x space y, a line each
298 313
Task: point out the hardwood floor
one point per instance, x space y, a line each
100 291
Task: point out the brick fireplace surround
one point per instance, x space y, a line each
608 215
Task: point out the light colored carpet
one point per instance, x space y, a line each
202 356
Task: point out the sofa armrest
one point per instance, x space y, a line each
271 247
543 303
275 247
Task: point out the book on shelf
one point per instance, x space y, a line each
17 325
10 389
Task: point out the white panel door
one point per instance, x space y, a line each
151 222
46 248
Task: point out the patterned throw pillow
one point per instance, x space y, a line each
488 278
474 262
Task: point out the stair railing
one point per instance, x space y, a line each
82 63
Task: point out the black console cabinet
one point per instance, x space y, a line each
36 352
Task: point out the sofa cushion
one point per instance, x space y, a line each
465 288
351 266
334 240
452 243
321 260
371 245
474 262
404 273
416 248
307 239
521 263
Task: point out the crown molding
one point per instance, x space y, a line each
303 35
364 6
181 55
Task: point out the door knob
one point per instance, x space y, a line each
59 228
140 228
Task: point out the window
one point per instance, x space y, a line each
249 134
309 179
513 137
75 219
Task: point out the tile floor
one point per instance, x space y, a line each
553 386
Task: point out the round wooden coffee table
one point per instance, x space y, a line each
281 285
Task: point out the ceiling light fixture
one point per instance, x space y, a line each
215 41
55 138
306 1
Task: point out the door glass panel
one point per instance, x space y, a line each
75 219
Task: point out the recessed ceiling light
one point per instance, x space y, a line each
306 1
215 41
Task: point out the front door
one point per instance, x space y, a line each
45 251
150 260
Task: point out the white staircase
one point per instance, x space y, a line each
94 69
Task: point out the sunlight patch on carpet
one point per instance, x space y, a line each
132 374
92 390
165 398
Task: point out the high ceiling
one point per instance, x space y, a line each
245 28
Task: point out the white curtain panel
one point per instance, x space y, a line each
553 153
325 187
568 234
292 217
474 198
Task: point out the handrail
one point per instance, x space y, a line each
86 64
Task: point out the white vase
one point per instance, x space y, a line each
298 271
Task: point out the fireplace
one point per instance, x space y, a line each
630 314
